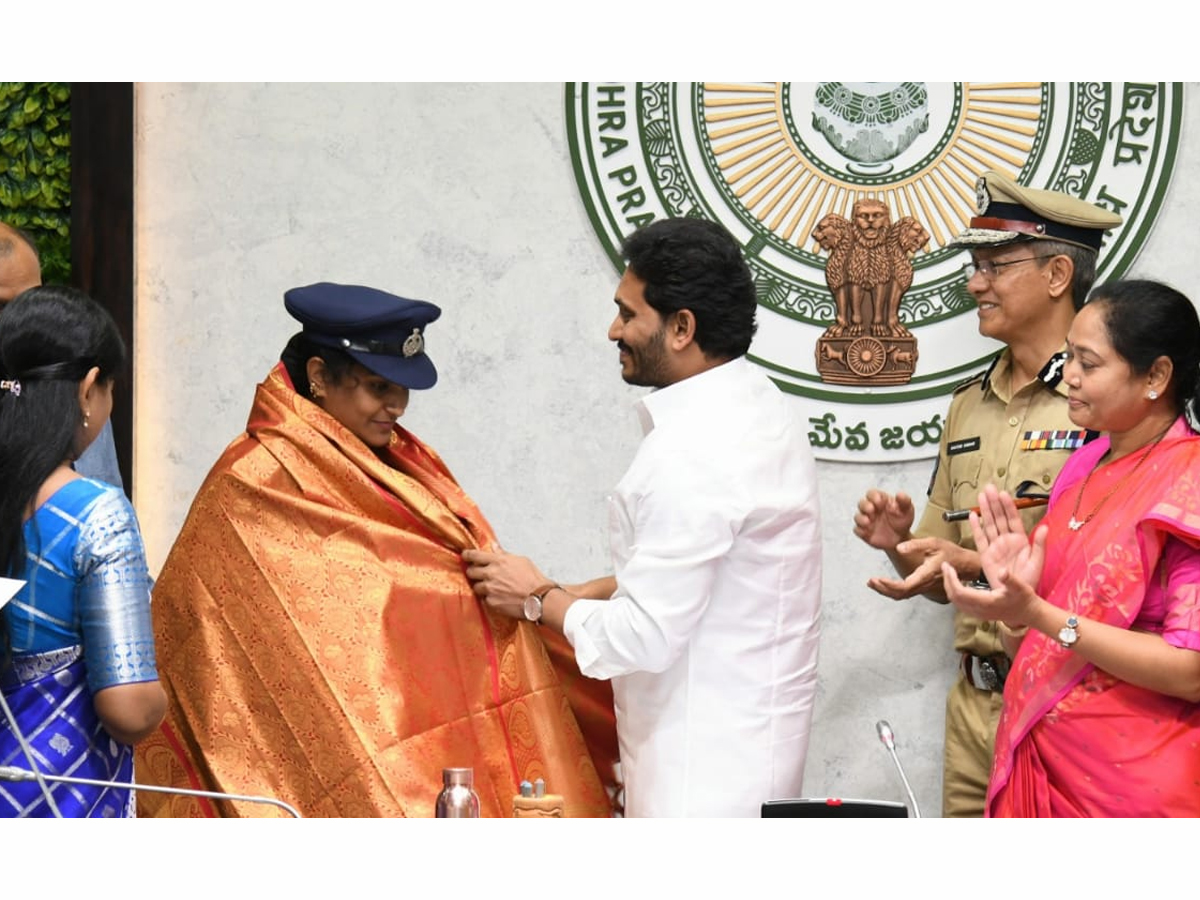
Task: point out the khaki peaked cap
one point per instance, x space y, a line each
1010 212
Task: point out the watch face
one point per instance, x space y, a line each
533 609
1067 636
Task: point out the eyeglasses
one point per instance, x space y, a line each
987 268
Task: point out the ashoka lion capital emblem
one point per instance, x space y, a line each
868 272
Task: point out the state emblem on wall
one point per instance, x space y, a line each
844 196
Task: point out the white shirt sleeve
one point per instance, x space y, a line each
664 586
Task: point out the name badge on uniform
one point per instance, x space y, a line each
966 445
1067 439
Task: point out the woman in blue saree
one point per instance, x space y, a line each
77 665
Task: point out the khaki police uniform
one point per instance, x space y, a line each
994 435
991 435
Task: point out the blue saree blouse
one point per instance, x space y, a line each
79 625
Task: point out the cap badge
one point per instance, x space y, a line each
413 344
981 194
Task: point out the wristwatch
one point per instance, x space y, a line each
1069 633
533 603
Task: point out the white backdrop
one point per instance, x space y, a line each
463 194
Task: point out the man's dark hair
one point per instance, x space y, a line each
1082 258
697 265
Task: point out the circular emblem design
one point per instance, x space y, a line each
771 160
413 344
865 356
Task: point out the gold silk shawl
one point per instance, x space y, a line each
320 644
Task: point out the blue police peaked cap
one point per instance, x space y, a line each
379 330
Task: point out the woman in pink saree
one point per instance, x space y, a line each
1102 609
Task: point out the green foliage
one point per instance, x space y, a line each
35 168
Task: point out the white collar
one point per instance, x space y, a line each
677 400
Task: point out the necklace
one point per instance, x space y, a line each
1075 524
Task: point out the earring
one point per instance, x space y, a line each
1153 395
86 419
316 391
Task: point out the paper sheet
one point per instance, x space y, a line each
9 588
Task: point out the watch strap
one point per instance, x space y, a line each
533 606
541 591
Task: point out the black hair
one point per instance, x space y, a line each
1149 319
697 265
50 338
300 349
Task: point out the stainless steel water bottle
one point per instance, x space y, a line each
458 799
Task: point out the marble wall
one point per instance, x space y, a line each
463 194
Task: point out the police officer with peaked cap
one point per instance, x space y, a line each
381 331
1033 261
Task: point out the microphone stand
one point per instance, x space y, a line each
889 741
13 773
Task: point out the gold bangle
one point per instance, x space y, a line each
1013 632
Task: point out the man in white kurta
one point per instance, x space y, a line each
709 626
711 636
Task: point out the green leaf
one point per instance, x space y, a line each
35 167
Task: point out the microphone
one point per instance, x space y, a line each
889 740
15 773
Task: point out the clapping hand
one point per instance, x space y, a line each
927 577
884 520
1010 562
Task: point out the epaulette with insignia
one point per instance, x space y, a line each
1051 373
987 376
974 379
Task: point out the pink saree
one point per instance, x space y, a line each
1072 739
